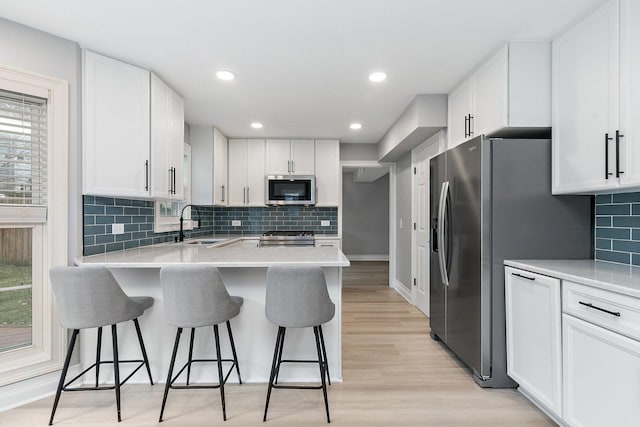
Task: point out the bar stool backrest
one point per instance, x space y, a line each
297 297
90 297
195 296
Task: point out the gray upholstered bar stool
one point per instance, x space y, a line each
195 296
297 297
90 297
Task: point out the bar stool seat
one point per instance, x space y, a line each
195 296
297 297
90 297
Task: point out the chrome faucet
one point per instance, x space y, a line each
181 234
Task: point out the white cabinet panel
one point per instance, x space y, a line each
585 100
534 341
246 172
601 376
278 157
491 94
176 143
209 163
327 169
459 110
115 118
302 156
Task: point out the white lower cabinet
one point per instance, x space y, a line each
601 376
534 340
574 348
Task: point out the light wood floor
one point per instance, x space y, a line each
394 375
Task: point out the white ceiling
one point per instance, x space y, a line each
302 65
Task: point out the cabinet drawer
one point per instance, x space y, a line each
326 243
617 312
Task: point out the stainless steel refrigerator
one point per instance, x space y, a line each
490 201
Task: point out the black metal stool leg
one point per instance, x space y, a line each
322 374
284 332
170 374
220 375
233 350
273 370
116 367
193 333
144 350
324 353
63 375
98 350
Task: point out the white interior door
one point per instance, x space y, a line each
420 290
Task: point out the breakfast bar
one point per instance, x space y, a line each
243 266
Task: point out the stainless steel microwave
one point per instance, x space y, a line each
291 190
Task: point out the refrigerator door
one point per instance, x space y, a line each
437 295
464 293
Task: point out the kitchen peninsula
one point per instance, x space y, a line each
243 267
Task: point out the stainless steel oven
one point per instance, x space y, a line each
291 190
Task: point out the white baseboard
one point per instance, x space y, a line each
27 391
357 257
402 290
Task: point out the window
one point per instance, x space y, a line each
167 212
33 220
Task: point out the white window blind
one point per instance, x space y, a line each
23 150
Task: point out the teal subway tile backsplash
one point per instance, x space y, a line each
617 229
138 219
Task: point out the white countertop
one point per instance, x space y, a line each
619 278
229 255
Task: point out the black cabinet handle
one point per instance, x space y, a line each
588 304
618 171
606 156
174 180
466 134
470 127
524 277
146 175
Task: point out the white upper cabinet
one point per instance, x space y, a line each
246 172
327 167
289 157
167 134
510 93
585 104
115 128
209 167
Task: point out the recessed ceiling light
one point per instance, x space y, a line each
355 126
225 75
378 76
257 125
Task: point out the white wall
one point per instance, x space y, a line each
403 214
32 50
365 217
356 152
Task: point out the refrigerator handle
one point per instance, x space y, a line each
444 191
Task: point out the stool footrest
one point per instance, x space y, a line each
188 364
298 387
93 366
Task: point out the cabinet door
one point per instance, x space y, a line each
220 187
491 94
255 172
160 174
459 107
176 144
303 156
534 343
601 375
278 157
237 172
327 173
630 93
115 128
585 103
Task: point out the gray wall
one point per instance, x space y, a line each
403 213
358 152
365 216
32 50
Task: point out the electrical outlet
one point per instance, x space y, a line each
236 223
325 223
195 223
117 229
